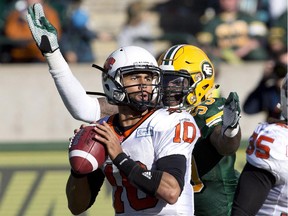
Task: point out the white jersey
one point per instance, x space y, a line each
157 135
268 150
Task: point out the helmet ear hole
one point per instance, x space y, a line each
205 86
107 87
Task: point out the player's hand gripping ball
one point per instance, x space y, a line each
86 154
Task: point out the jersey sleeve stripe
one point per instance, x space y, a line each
214 119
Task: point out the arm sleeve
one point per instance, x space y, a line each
78 103
174 165
252 190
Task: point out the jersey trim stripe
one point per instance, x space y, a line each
129 131
170 55
214 119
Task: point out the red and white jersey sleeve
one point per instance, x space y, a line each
268 150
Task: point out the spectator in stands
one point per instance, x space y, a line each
266 95
259 9
137 30
16 29
77 39
278 35
179 20
277 8
6 6
235 36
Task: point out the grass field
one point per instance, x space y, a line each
33 178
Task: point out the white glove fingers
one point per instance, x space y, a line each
44 34
31 24
38 9
31 18
30 21
231 112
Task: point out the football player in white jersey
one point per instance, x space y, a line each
149 163
263 183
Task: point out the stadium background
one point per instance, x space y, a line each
36 126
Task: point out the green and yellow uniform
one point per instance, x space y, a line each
214 178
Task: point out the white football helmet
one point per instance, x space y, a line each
125 60
284 96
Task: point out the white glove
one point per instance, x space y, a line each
43 32
231 113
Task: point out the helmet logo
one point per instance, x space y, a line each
207 69
109 63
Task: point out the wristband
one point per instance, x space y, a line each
124 163
231 132
147 181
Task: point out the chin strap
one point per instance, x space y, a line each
95 93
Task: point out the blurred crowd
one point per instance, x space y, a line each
230 31
69 18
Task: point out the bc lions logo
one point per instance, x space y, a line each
109 63
144 132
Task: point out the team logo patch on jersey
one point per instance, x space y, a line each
143 132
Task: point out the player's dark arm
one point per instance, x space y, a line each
225 145
82 190
253 187
226 138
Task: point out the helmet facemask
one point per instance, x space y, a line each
121 95
189 58
175 86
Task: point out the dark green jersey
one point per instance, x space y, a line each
213 177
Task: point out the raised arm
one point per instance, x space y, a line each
78 103
226 138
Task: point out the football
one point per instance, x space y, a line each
86 154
